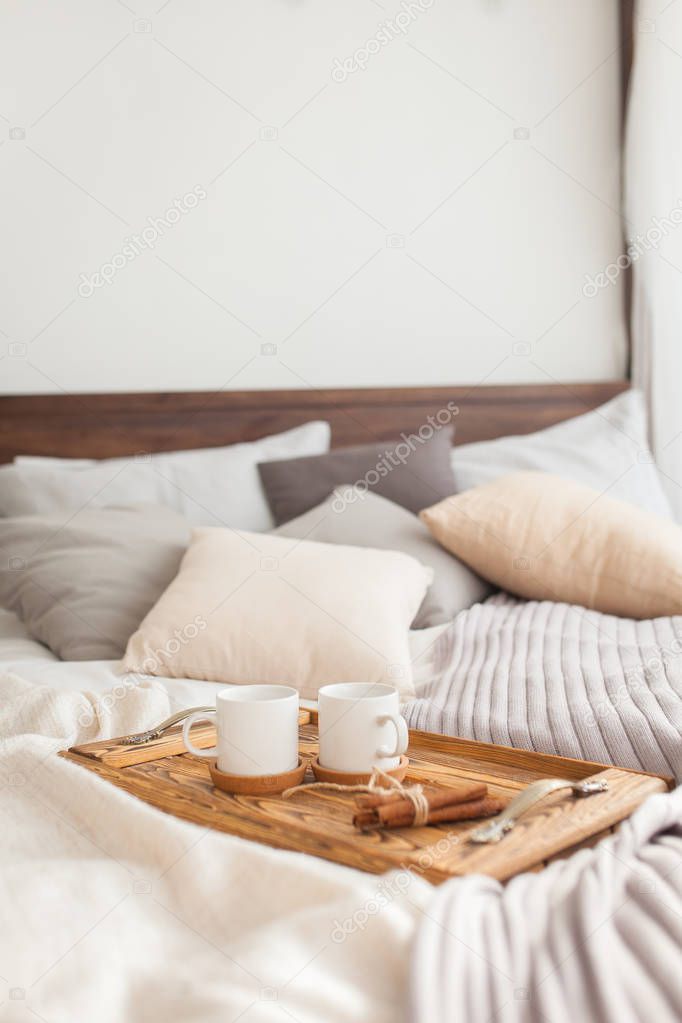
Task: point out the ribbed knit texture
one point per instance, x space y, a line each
558 679
595 938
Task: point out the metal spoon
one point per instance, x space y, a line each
505 821
139 738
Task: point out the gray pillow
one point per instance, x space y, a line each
368 520
83 588
411 471
606 449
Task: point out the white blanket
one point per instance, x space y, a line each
114 911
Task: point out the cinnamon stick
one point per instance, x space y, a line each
399 816
437 795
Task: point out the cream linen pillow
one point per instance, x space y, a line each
547 538
248 607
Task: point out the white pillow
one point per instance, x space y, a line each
249 607
209 486
606 449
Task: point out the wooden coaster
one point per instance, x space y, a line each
345 778
256 785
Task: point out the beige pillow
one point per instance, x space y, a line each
369 520
547 538
249 607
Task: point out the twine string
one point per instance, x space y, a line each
379 783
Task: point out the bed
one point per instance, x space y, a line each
164 919
540 675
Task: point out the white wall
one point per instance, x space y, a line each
427 220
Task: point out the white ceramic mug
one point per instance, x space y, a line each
360 727
257 728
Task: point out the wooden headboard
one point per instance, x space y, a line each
107 425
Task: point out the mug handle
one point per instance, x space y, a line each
402 737
192 720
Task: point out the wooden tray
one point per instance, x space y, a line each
320 823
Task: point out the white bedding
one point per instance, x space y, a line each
21 654
114 911
35 663
16 643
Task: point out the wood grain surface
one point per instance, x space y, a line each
118 754
108 425
320 823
